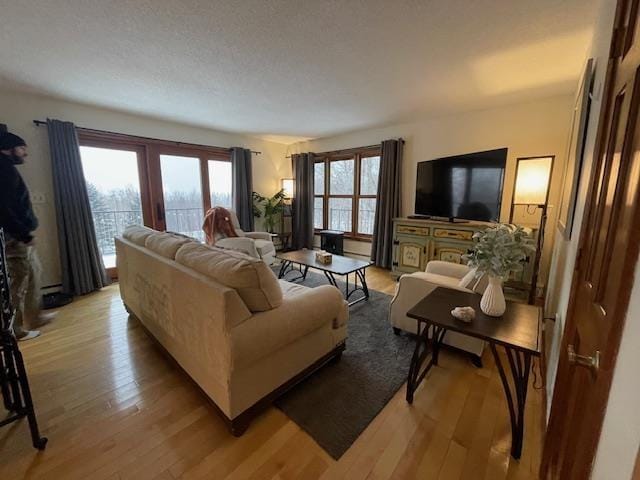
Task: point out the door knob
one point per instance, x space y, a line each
591 362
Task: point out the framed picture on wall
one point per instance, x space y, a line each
575 151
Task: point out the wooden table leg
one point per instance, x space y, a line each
425 346
520 366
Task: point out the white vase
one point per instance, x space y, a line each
493 302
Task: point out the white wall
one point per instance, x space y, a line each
527 129
18 110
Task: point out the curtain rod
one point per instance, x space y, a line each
349 150
42 122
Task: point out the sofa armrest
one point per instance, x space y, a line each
410 290
242 244
448 269
299 315
258 235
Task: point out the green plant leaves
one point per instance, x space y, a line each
500 250
269 207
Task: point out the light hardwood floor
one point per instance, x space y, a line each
114 408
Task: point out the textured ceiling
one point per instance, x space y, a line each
294 68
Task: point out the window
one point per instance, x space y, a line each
220 183
345 189
182 193
369 173
193 180
113 185
162 184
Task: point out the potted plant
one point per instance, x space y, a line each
498 251
268 207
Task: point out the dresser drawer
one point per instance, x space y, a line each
448 252
413 230
452 233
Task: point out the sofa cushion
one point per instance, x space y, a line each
266 332
165 244
137 234
182 235
264 247
254 281
290 289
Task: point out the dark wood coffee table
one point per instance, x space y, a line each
303 260
518 331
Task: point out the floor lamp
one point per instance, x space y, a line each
531 190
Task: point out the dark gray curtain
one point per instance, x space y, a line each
302 231
388 206
242 187
80 258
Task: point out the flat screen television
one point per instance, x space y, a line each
465 187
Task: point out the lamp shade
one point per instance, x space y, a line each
287 186
532 181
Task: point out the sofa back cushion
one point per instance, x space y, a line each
165 244
254 281
137 234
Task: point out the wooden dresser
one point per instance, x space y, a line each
416 242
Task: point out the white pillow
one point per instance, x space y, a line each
469 280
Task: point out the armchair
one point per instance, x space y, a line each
254 244
413 287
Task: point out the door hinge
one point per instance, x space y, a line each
396 242
395 264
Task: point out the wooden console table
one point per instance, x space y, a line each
518 331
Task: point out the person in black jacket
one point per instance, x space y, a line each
18 221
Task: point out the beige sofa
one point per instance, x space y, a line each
242 335
413 287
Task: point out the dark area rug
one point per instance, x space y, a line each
337 403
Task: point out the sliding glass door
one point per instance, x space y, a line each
115 194
220 183
182 194
141 181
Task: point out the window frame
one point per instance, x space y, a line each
356 154
150 150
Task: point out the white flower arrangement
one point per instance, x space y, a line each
500 250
